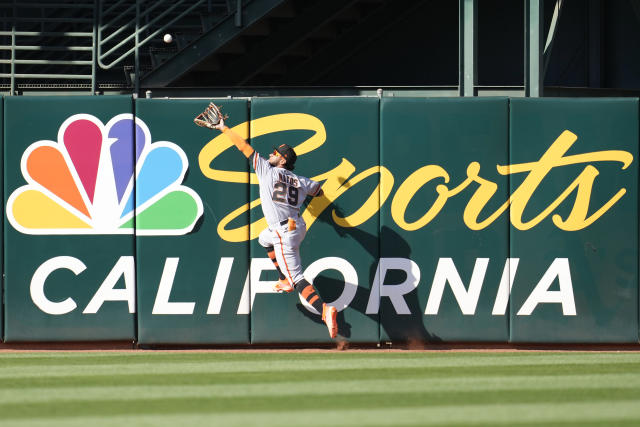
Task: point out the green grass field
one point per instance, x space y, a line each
157 388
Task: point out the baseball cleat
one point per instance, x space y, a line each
282 285
329 315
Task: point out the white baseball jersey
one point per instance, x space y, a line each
281 191
281 194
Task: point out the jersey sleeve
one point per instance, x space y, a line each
309 186
259 164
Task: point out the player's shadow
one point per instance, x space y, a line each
389 244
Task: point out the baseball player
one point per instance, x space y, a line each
281 194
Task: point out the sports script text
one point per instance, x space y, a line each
339 180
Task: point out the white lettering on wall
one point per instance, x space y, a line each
394 292
162 305
349 275
39 278
541 294
446 273
124 267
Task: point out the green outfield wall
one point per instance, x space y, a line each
58 262
442 220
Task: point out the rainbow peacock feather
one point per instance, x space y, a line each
84 183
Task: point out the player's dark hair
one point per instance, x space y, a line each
289 154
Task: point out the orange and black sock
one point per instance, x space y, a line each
309 293
272 255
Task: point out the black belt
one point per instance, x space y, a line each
285 221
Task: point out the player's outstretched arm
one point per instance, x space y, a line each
240 143
213 118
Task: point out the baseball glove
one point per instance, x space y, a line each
211 117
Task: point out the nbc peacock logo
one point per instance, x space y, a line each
104 179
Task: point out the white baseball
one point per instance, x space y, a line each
167 38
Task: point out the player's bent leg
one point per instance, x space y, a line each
288 257
329 314
308 292
271 253
265 238
282 285
266 241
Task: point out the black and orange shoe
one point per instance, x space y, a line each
329 316
283 285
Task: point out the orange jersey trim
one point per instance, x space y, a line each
285 260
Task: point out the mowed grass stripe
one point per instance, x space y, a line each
286 363
337 401
458 358
604 412
569 384
400 389
153 378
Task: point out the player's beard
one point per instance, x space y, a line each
275 161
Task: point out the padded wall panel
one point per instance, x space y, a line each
337 143
574 185
69 257
190 279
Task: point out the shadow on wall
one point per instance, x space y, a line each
398 327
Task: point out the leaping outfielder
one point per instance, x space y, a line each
281 195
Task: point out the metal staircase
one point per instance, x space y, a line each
46 43
129 33
294 42
97 45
